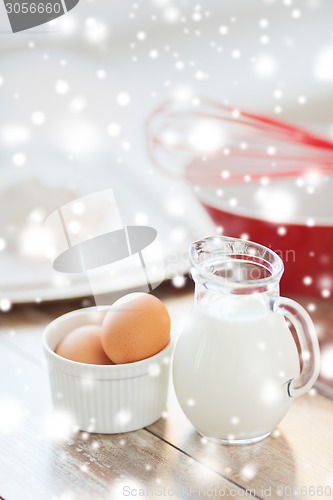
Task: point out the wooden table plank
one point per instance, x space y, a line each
297 454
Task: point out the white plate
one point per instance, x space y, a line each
178 218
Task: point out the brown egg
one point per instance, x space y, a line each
137 327
84 346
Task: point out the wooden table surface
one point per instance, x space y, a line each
165 460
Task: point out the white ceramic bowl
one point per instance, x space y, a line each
105 398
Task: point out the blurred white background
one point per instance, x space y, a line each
75 95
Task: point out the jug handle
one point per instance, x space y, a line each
306 333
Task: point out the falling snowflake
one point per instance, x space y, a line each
282 231
270 393
154 54
235 54
263 23
248 472
141 219
191 402
171 14
123 99
5 305
19 159
265 66
122 418
58 426
207 137
38 118
77 104
224 30
154 370
178 281
113 129
61 87
141 35
95 31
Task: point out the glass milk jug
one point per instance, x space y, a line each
236 366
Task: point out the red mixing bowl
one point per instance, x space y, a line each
259 179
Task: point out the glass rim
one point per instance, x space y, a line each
275 266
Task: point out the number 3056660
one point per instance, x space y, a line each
33 8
